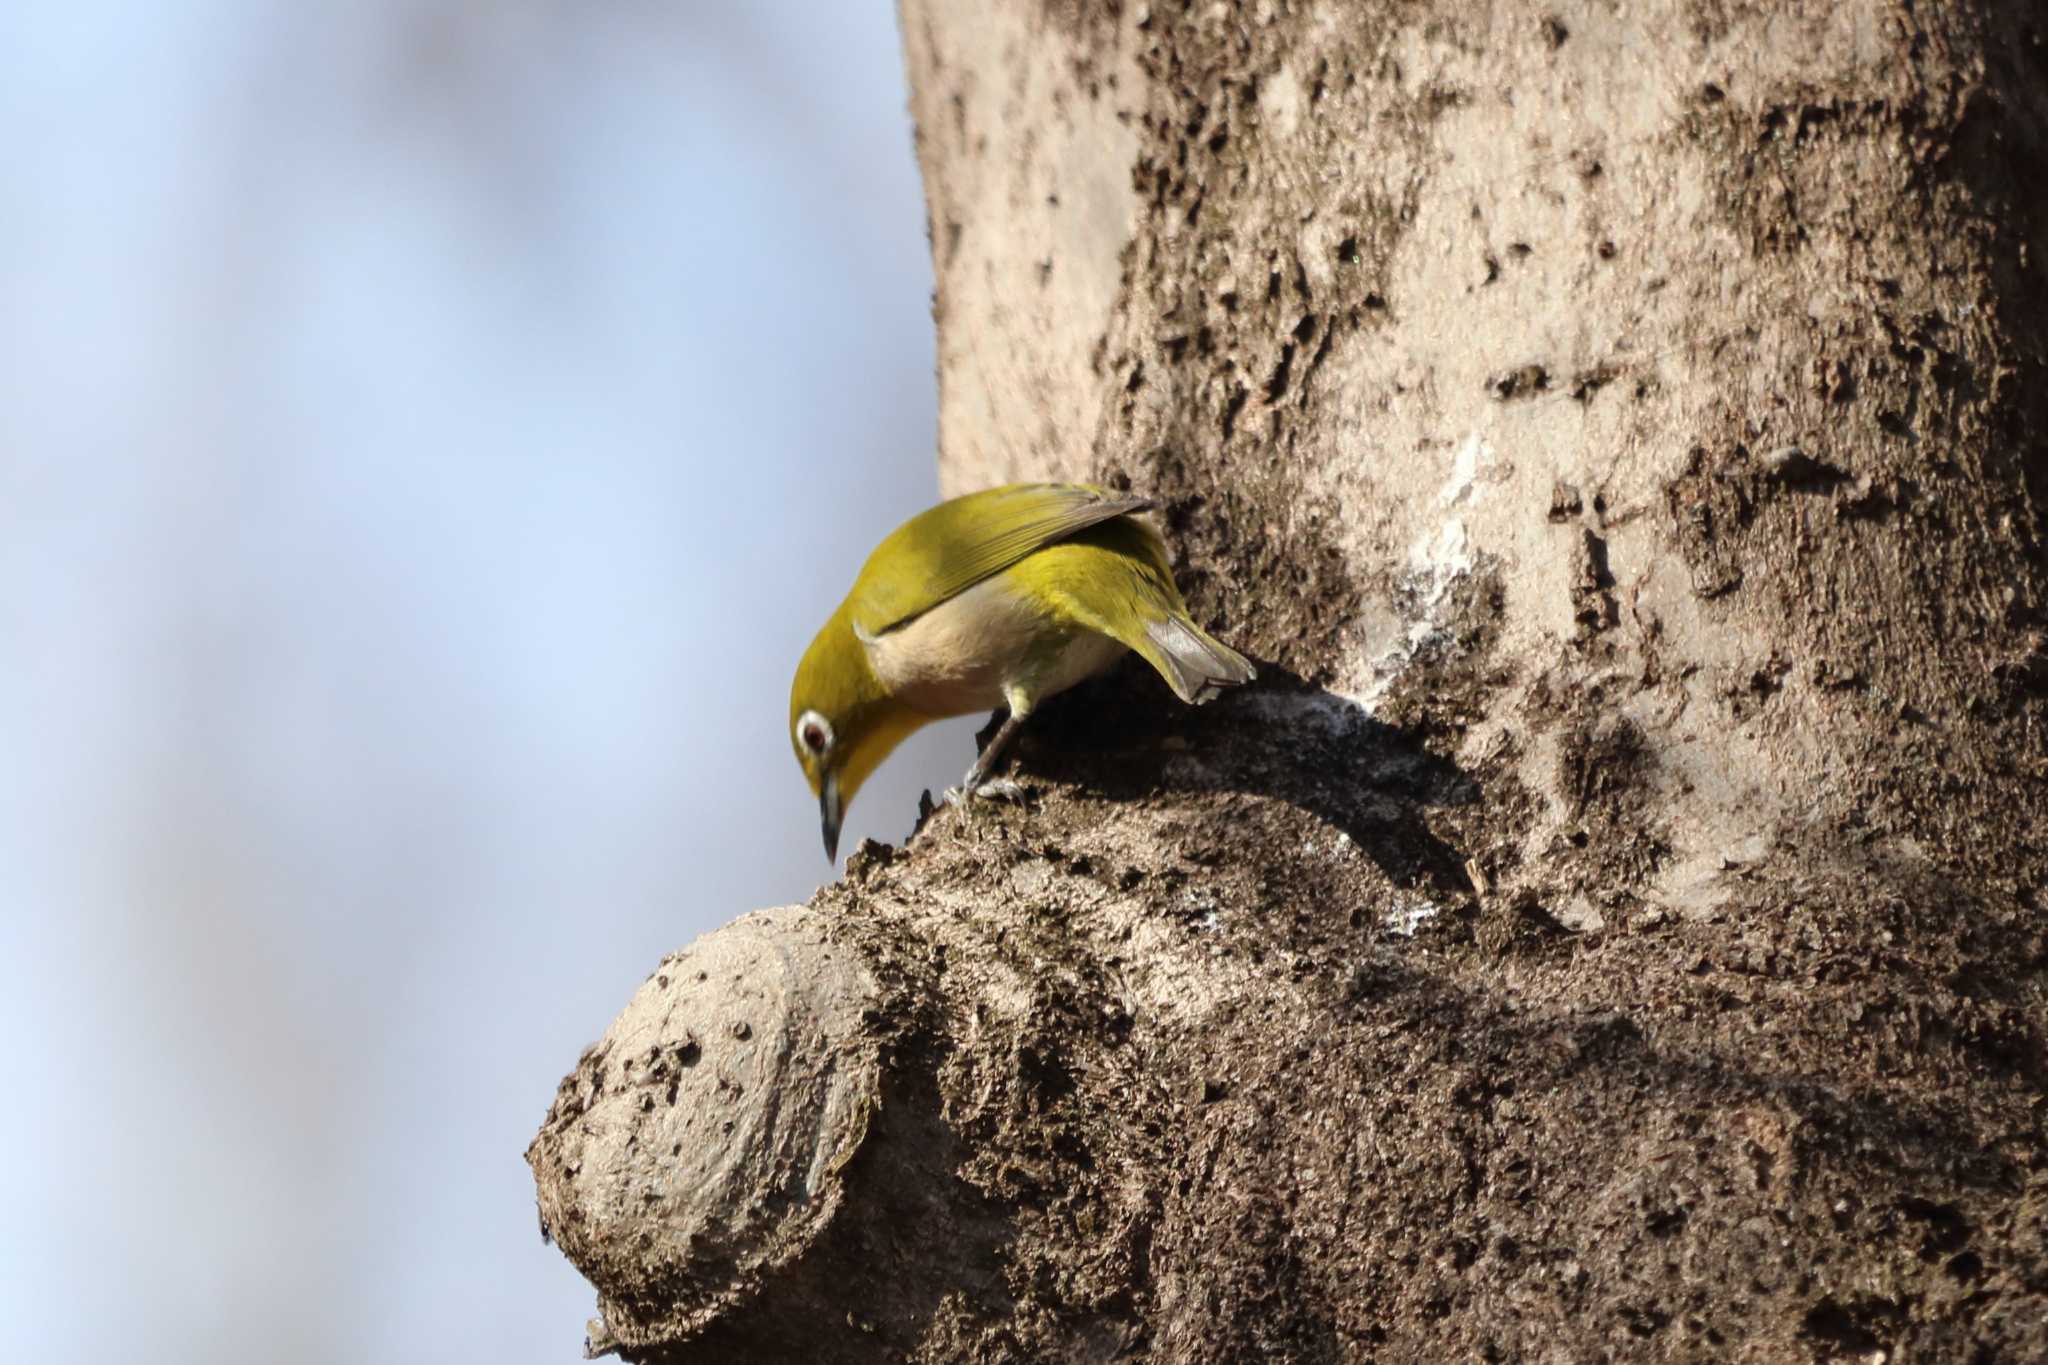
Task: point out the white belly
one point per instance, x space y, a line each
983 649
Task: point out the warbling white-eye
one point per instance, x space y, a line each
994 599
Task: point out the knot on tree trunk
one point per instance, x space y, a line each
700 1147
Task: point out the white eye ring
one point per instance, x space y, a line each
813 733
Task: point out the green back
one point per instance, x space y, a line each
942 552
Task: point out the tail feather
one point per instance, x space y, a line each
1195 664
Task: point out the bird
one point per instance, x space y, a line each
991 600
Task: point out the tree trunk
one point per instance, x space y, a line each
1614 926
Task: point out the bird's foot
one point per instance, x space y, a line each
992 789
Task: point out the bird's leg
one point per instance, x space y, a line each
978 782
985 762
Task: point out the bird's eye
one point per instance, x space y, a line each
814 732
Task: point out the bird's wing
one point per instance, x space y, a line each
1126 591
945 551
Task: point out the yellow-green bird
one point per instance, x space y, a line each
995 599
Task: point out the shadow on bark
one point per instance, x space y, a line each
1285 738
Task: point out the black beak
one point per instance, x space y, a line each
829 813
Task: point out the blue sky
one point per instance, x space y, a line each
429 432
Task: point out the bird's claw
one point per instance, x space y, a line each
993 789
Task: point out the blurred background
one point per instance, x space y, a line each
430 431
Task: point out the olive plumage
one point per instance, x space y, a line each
995 599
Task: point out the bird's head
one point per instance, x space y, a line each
842 721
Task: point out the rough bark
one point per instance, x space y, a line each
1617 926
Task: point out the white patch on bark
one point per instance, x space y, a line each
1439 558
1408 914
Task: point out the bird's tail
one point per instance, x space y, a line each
1194 663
